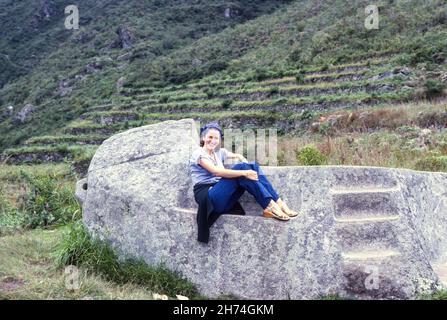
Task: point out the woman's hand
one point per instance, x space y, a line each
241 158
251 174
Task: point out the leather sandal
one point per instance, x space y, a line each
286 210
269 213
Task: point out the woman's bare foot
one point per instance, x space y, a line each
274 211
286 209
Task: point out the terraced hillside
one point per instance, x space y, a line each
282 66
60 70
211 46
285 102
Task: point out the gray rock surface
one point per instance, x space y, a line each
126 37
24 114
120 83
363 232
47 9
230 13
64 88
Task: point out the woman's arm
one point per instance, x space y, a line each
238 156
227 173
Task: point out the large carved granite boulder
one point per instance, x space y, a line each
364 232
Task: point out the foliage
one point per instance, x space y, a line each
434 88
310 156
434 163
79 248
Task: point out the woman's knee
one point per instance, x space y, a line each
246 165
241 166
254 164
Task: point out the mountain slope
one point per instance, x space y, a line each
87 69
60 70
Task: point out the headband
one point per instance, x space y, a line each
211 125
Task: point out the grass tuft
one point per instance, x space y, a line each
80 249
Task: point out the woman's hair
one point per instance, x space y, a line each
204 130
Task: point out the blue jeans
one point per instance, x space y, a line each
225 193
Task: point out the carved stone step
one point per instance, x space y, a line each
367 219
364 255
362 177
369 236
358 203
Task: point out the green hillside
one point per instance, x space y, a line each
65 70
253 62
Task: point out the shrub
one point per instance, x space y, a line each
80 249
295 55
273 91
432 164
48 203
326 129
227 103
437 295
260 75
44 202
324 67
11 219
62 148
434 88
432 118
404 59
209 93
299 78
408 131
307 115
280 73
432 53
163 99
310 156
216 65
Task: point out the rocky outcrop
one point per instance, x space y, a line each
47 9
125 40
64 88
397 72
96 65
45 12
120 84
24 114
231 12
93 67
363 232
